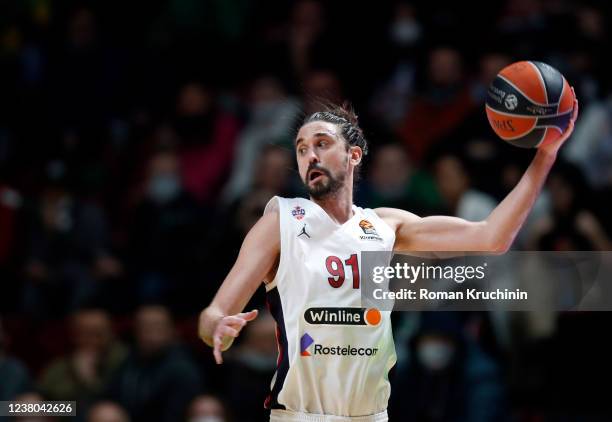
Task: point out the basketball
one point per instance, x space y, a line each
529 103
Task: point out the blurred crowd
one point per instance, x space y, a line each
140 142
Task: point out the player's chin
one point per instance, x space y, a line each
318 189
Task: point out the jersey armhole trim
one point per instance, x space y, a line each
275 204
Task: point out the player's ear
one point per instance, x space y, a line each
355 155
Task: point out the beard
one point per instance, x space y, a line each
328 186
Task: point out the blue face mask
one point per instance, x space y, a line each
164 187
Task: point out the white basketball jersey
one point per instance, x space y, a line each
334 355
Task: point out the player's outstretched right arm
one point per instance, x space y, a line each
223 319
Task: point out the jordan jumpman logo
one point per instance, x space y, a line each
304 232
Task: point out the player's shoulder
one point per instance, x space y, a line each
297 206
267 227
272 206
271 212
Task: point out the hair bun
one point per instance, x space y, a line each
344 116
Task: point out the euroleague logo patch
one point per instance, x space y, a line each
511 102
343 316
369 231
308 347
298 212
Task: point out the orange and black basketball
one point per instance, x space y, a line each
529 103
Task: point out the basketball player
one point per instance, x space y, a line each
307 254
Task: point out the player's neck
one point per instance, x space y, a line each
339 206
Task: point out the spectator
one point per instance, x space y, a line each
84 73
454 184
107 411
591 146
449 378
85 372
306 28
207 408
164 232
272 117
68 252
33 397
489 66
394 182
441 107
571 225
583 64
391 100
405 29
274 171
159 378
300 44
207 139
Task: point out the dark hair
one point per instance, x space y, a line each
345 118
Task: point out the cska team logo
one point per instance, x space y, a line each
298 212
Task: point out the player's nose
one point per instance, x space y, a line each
312 157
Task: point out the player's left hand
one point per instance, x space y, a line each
227 329
553 147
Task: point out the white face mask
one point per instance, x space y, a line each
206 419
435 355
405 32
